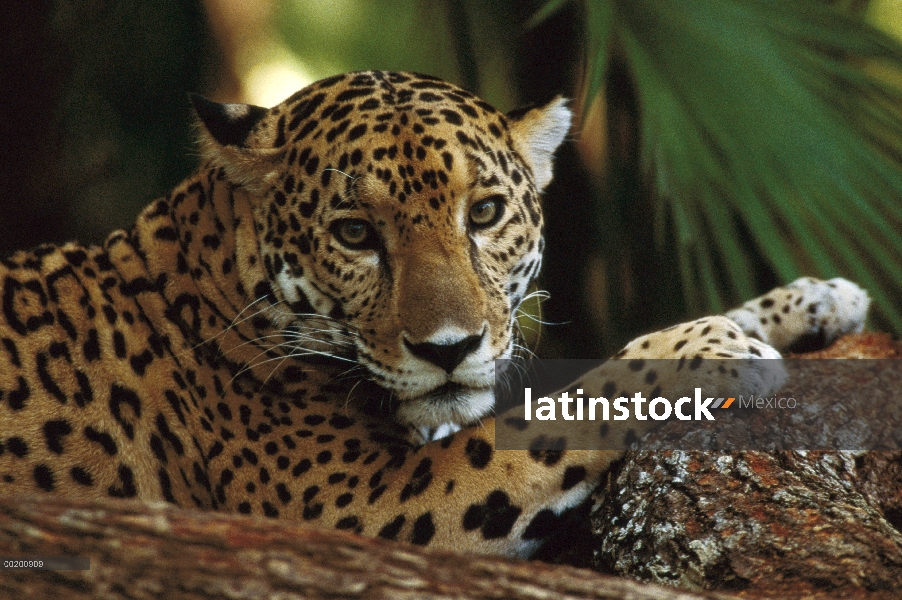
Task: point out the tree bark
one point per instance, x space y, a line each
780 524
158 551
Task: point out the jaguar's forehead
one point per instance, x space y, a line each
392 115
379 97
377 135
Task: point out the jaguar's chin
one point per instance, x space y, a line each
449 403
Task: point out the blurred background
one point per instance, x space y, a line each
722 146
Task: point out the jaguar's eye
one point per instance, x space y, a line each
355 234
487 212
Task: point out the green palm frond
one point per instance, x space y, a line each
771 128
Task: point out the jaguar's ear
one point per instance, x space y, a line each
229 137
537 133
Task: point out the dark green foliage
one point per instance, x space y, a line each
767 131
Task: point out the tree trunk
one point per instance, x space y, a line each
159 551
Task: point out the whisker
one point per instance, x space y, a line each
350 393
530 353
295 353
309 334
342 172
229 327
252 364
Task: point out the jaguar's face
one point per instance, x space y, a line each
407 211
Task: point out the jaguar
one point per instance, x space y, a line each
306 328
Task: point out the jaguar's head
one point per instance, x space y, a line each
400 213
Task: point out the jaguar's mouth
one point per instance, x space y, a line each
448 403
450 392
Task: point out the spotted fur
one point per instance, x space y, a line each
285 332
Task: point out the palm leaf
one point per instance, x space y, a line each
775 114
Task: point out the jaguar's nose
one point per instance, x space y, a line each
446 356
